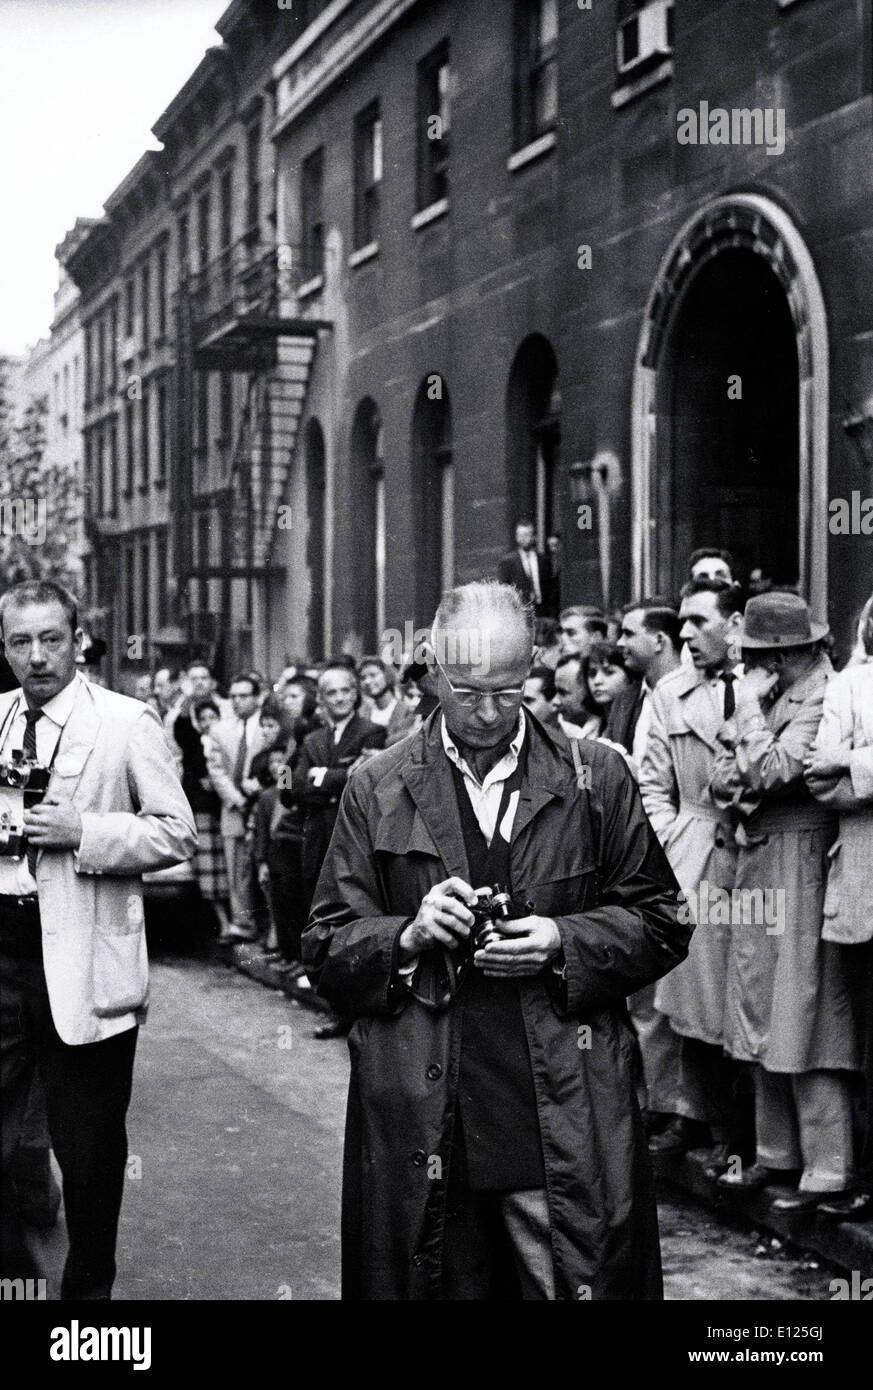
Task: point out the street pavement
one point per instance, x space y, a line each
235 1140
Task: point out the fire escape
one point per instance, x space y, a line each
240 314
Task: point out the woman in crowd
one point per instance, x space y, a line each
209 862
605 675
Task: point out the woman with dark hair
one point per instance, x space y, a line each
603 675
210 866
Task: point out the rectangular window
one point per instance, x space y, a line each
101 358
645 36
88 479
204 213
253 176
434 126
203 557
113 469
113 348
129 300
368 175
145 438
226 389
145 582
162 294
536 69
162 578
99 468
163 435
89 331
129 589
129 448
182 247
146 307
312 212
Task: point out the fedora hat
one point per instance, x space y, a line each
779 620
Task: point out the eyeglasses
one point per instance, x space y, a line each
472 699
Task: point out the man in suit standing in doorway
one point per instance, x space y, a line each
529 571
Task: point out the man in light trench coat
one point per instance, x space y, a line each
788 1008
494 1147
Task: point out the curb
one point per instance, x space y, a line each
250 961
847 1244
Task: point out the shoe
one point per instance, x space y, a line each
803 1201
679 1135
848 1206
755 1178
302 982
334 1029
714 1160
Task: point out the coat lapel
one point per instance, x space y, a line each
432 788
77 740
701 711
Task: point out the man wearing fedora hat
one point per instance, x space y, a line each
787 1003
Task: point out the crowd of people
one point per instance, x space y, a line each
754 759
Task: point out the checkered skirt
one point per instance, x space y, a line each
210 865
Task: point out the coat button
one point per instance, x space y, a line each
419 1158
434 1071
417 1261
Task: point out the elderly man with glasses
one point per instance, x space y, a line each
494 1149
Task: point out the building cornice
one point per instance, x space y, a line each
349 48
213 65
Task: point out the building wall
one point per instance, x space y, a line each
459 296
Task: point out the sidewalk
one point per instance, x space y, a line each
844 1243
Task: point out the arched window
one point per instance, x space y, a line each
315 498
433 484
533 436
368 490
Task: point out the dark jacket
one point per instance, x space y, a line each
624 713
510 570
320 804
589 860
196 783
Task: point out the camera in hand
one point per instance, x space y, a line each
492 905
17 775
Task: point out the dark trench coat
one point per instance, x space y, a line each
591 861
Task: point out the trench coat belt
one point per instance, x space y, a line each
774 819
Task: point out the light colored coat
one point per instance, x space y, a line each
112 762
221 747
697 836
787 1005
847 724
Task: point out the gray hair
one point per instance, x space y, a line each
472 602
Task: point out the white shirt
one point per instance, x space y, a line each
340 728
15 877
485 796
382 716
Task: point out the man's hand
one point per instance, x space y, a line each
523 948
441 920
263 875
53 824
756 684
823 767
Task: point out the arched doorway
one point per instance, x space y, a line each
731 402
316 482
368 483
533 436
433 489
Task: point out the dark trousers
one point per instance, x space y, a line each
497 1246
858 966
87 1092
289 906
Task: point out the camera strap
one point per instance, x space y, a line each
583 782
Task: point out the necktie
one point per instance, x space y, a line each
239 766
730 702
31 798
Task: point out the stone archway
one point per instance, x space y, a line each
755 225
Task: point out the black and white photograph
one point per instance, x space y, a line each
436 665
